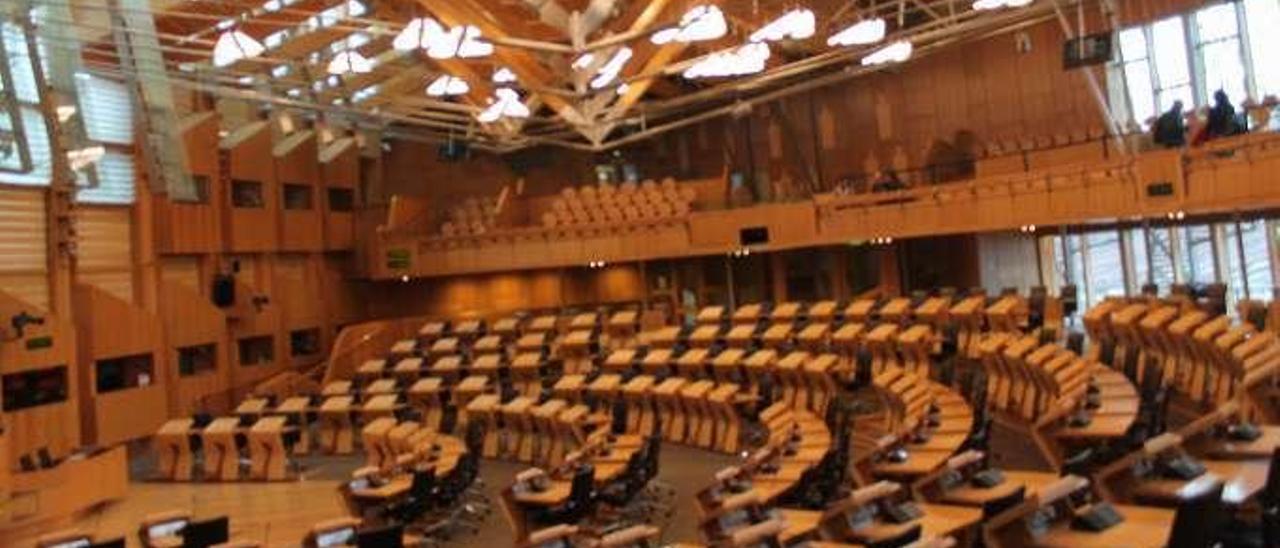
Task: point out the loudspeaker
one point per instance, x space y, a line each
223 291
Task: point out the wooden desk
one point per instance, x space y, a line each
383 405
1261 448
639 403
569 387
221 458
519 425
267 455
1143 526
469 389
620 361
173 447
336 434
381 386
425 395
544 428
295 409
484 408
968 495
554 494
700 420
447 367
404 348
251 408
371 369
1242 480
377 448
408 369
394 488
336 388
740 336
939 520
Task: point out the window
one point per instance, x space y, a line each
197 360
1227 45
304 342
106 113
1218 52
1105 268
24 143
341 199
1197 262
200 184
1262 19
246 194
297 197
34 388
123 373
257 350
1160 248
1248 260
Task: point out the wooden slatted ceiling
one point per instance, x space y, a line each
104 256
23 272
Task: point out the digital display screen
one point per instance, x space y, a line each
166 529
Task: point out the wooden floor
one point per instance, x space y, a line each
280 514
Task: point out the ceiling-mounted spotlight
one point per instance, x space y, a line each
705 22
896 52
439 42
867 31
997 4
745 59
350 62
797 24
504 76
234 45
448 85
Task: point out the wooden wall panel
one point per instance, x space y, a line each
104 256
250 159
187 227
297 286
54 425
297 162
182 270
23 245
189 320
339 168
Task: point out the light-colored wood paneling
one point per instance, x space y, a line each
182 270
190 320
105 250
23 245
189 227
297 163
250 159
55 425
339 168
109 327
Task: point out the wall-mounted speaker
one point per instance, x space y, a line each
223 292
756 235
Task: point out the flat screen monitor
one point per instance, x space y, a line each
202 534
80 542
169 528
336 537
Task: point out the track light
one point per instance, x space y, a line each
701 23
506 103
447 85
896 52
867 31
798 24
350 62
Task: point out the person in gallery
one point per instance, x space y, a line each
1222 119
1170 129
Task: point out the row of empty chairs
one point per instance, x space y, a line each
474 216
625 203
1209 359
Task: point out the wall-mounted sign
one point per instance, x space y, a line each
39 343
1160 189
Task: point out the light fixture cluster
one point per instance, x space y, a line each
997 4
701 23
596 264
505 103
234 45
882 240
447 85
1176 215
350 62
439 42
745 59
608 72
1027 229
504 76
740 253
797 24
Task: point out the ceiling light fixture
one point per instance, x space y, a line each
350 62
447 85
896 52
997 4
505 103
867 31
609 72
701 23
440 43
744 59
798 24
234 45
504 76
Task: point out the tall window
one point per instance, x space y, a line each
24 144
1106 269
1197 263
106 110
1262 18
1218 52
1228 45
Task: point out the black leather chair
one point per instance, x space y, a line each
581 501
1200 518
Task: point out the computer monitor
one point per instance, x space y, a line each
168 528
336 537
110 543
205 533
391 536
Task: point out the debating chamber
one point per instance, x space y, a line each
640 273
